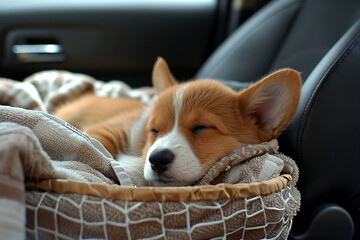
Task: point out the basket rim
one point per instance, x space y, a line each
163 194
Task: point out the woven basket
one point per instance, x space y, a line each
78 210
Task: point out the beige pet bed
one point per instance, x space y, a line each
102 203
244 211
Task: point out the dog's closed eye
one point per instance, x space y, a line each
199 128
154 131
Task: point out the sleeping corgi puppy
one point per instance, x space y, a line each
189 126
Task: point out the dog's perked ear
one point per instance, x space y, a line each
161 76
272 102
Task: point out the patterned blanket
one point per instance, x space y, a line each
67 184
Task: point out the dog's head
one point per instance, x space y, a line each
194 124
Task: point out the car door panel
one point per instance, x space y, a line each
107 39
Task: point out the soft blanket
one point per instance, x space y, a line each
51 155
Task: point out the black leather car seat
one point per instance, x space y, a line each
321 39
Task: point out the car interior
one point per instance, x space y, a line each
235 42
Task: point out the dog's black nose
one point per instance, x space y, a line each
161 160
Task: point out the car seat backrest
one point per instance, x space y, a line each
247 53
324 135
316 28
285 33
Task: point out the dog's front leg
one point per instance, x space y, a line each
113 137
113 133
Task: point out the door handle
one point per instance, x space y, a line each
32 53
